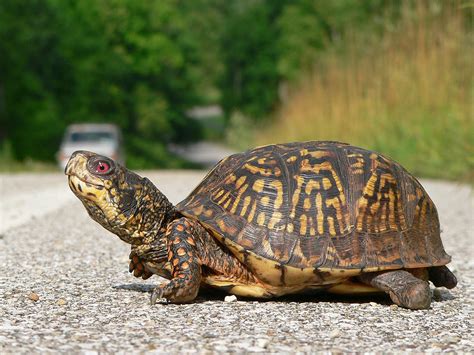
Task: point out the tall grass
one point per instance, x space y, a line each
407 93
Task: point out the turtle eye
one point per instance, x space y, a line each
102 167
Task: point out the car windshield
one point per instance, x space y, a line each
78 137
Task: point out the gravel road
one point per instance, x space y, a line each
64 286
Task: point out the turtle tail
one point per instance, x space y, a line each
442 276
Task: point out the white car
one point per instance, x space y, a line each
101 138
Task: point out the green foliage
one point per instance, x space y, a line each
308 27
249 53
28 63
8 164
266 43
133 63
143 64
147 154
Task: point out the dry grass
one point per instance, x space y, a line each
407 94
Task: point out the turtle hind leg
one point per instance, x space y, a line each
404 289
442 276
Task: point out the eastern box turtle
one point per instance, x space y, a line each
275 220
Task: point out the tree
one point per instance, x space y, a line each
137 64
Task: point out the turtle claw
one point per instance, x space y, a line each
156 295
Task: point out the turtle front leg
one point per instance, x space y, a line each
137 267
184 259
404 289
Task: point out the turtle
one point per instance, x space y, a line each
276 220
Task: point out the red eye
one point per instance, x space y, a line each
102 167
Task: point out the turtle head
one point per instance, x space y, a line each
116 197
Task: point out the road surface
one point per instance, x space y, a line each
64 286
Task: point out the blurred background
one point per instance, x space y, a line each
168 78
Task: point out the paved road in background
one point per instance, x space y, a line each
206 154
89 302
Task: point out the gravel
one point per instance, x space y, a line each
64 286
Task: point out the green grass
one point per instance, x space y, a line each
27 166
407 94
10 165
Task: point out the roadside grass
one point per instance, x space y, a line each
10 165
28 165
407 93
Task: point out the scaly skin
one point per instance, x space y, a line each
194 254
404 289
163 242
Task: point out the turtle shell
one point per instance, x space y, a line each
319 206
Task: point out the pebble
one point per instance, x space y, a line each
152 323
262 343
438 345
221 348
231 298
61 302
335 333
33 296
452 339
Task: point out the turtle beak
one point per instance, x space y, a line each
78 175
80 181
77 162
